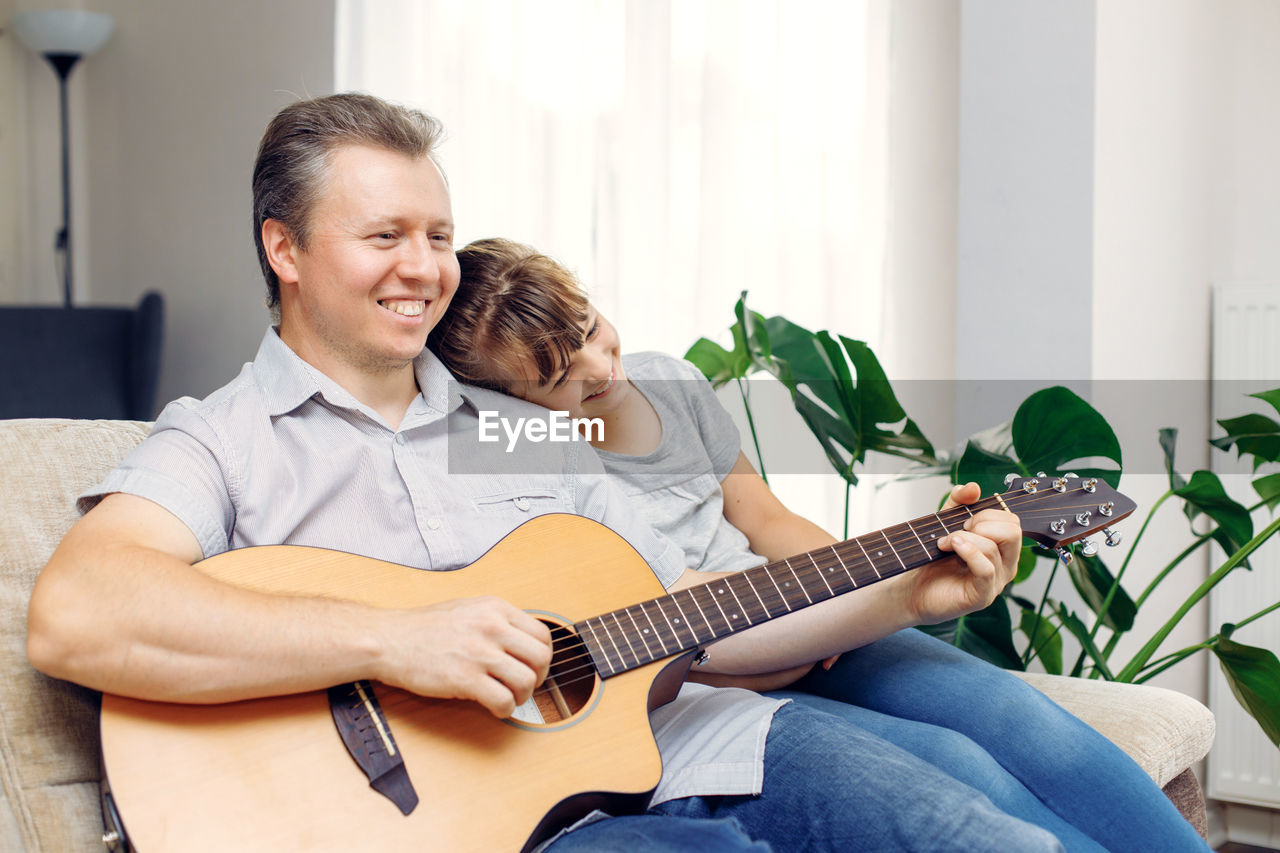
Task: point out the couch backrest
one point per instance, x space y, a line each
49 762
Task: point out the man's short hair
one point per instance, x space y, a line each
295 151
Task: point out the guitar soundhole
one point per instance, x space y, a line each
570 685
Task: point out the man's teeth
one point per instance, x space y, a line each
407 307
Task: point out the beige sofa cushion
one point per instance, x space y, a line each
1175 733
48 728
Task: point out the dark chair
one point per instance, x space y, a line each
87 362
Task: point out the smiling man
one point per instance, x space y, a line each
338 436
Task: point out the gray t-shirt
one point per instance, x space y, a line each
677 486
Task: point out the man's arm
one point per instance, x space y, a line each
985 559
119 608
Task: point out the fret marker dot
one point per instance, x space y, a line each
677 621
879 553
646 630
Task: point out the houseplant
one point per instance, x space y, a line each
839 389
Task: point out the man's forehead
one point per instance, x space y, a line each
375 175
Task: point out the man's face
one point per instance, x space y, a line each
379 269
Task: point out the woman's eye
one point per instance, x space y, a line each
591 333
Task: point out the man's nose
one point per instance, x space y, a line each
419 260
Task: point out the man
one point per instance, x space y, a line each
336 436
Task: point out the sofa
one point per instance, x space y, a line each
49 762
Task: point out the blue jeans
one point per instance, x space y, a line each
989 729
828 786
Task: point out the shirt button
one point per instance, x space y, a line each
433 523
522 504
400 439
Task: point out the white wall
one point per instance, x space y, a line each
166 119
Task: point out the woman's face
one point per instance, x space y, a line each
592 385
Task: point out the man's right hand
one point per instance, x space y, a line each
482 649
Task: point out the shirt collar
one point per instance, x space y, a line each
287 381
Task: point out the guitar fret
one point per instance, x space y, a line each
781 595
627 640
896 556
747 590
920 541
872 562
657 632
682 621
613 670
798 581
820 575
835 550
708 629
642 634
728 581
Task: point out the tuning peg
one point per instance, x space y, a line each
1113 537
1090 548
1106 508
1009 478
1069 476
1064 555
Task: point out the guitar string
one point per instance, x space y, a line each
770 601
583 667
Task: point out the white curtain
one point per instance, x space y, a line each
672 152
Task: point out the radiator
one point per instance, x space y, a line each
1243 766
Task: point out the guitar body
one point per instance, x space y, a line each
273 774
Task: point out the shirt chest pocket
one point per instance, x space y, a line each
520 505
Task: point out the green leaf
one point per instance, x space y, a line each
1168 443
985 467
1093 580
1254 677
988 634
1044 639
1272 397
715 362
1255 435
1268 489
1078 630
1027 560
1204 494
1054 427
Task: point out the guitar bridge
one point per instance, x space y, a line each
367 736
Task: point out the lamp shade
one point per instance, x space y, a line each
62 31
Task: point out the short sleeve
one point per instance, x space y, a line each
179 467
719 433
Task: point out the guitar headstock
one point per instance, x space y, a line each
1056 511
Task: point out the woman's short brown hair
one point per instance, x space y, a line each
513 304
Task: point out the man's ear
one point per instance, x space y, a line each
281 250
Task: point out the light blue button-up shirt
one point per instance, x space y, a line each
284 455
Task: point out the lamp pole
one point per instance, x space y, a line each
63 63
63 36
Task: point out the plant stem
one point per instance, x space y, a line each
1158 666
848 496
1144 654
1032 652
751 422
1115 584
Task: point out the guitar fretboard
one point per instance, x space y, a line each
661 627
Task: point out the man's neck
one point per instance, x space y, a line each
388 389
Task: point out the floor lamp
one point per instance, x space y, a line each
62 37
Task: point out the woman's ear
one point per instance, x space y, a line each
281 250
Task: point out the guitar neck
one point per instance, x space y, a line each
624 639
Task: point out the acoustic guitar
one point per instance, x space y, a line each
277 774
